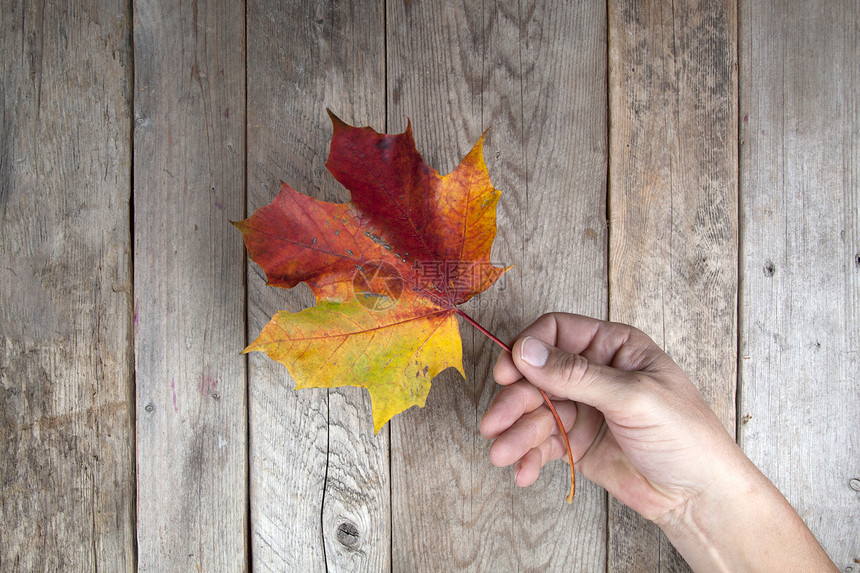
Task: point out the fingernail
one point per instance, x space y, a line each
534 352
516 472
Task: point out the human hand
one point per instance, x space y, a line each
636 424
638 427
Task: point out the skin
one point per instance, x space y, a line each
638 427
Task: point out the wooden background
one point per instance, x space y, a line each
689 167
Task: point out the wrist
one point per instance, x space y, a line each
739 521
702 528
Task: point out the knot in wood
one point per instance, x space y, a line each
347 534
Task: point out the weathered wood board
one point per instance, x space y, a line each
320 490
518 71
118 266
800 222
66 434
673 201
189 295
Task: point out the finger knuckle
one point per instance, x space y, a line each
532 428
514 398
573 369
499 369
554 448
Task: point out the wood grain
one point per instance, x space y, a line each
321 493
673 209
534 74
319 477
189 286
66 441
800 311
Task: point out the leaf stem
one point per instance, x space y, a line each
549 403
486 332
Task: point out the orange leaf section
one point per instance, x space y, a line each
387 269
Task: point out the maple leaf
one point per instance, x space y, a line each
388 269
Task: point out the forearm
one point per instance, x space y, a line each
741 522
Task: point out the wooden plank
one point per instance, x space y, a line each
534 74
673 209
189 285
800 312
319 477
66 460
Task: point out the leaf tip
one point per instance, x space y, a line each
379 420
337 122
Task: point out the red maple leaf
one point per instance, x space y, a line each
388 269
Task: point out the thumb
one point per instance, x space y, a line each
570 376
